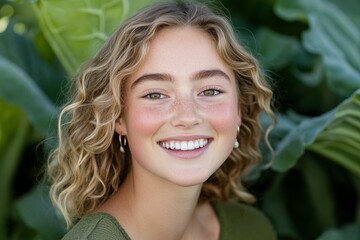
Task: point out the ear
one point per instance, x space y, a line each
120 126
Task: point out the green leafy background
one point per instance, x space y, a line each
309 50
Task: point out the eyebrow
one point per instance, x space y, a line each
167 77
209 74
152 76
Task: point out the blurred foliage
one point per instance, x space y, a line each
309 51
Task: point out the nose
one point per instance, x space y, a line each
186 113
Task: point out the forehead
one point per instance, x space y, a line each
181 50
185 36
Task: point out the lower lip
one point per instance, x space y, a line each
188 154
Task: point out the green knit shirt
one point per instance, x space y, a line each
237 221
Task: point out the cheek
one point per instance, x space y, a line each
144 121
223 116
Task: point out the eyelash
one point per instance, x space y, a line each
216 90
152 93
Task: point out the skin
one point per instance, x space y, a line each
183 91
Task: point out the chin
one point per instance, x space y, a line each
184 180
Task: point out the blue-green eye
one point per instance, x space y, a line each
154 96
210 92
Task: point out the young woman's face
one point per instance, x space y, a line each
181 113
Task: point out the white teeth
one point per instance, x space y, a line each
201 143
185 145
191 145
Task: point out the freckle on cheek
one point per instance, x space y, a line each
147 120
224 115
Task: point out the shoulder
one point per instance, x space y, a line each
97 226
240 220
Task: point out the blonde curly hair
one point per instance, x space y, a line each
86 167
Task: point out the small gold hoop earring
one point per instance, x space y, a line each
122 146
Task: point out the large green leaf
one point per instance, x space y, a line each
274 204
28 52
276 50
335 135
293 145
279 51
334 34
340 141
319 191
14 134
349 232
308 191
38 213
18 88
77 29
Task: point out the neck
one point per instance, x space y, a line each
152 208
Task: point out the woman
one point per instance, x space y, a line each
162 125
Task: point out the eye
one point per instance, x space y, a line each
154 96
210 92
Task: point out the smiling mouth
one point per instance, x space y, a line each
185 145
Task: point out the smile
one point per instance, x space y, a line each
185 145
